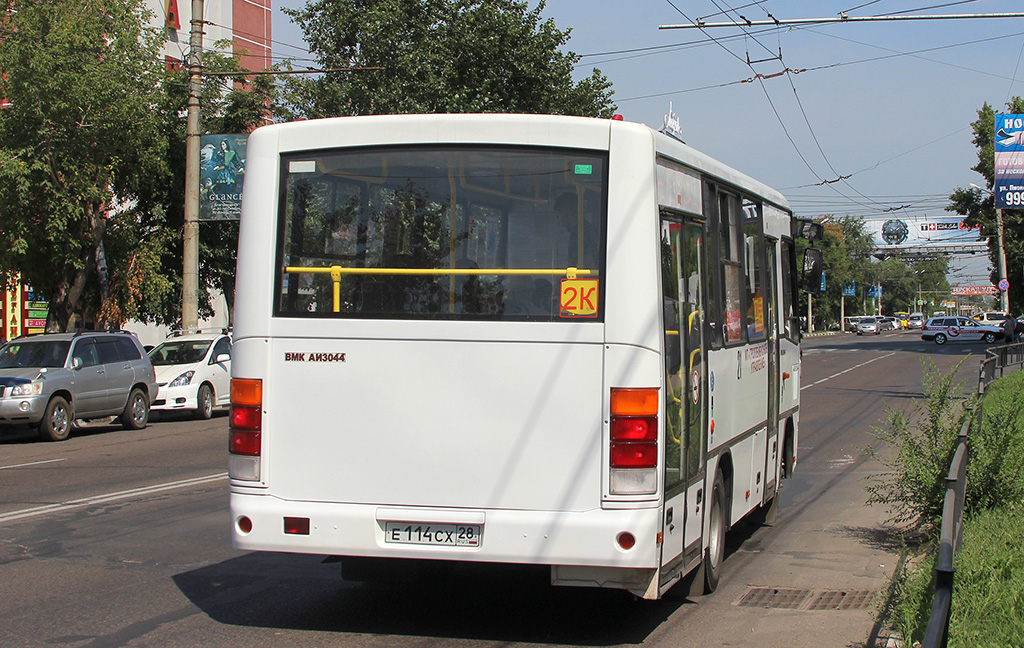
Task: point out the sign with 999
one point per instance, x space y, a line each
1009 162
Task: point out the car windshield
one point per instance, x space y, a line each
178 352
34 353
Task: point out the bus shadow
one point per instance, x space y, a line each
479 602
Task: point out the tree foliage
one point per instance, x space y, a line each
440 56
979 207
79 152
229 102
848 251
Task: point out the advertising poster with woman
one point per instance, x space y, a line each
221 175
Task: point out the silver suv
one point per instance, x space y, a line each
51 380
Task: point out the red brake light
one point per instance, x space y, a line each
244 443
639 428
634 428
296 525
634 455
244 417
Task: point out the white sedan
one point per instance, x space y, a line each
959 329
193 373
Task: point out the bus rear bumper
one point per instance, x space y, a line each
586 539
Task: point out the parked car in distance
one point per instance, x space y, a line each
992 318
851 323
959 329
193 372
52 379
868 325
887 324
915 321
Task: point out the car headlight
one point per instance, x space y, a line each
27 389
183 379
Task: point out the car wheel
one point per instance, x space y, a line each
715 552
989 338
57 420
204 402
136 411
940 338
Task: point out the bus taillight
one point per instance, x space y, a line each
633 454
244 434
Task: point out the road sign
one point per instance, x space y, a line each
1004 284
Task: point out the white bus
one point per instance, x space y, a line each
522 339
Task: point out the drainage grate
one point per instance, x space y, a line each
771 597
841 600
804 599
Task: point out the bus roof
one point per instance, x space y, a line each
500 128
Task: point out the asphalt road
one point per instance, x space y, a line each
120 538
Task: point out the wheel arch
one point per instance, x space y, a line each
725 465
788 449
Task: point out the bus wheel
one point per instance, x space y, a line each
715 552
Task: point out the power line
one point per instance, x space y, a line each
844 19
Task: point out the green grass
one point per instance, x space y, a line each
988 586
988 598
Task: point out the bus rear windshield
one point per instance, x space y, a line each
469 233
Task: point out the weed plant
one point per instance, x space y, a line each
916 450
988 598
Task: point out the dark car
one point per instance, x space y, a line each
51 380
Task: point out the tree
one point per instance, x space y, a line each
440 56
979 207
80 149
230 102
846 249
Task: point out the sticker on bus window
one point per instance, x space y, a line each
578 298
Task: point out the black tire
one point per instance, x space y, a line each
204 402
940 338
715 552
989 338
136 411
57 420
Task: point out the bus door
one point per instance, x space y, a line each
685 394
771 468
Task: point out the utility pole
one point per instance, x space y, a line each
1004 297
190 234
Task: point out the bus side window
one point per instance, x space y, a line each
714 315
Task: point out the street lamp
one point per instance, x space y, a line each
1004 298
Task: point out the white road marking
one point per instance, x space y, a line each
34 463
847 370
109 497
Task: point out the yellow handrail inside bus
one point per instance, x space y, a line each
336 273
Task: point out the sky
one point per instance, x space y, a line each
871 120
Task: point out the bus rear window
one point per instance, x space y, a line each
465 233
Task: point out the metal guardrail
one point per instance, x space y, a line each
994 365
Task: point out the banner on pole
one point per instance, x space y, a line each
221 172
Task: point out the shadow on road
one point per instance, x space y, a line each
492 603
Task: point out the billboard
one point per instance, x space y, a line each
894 233
1009 163
221 173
